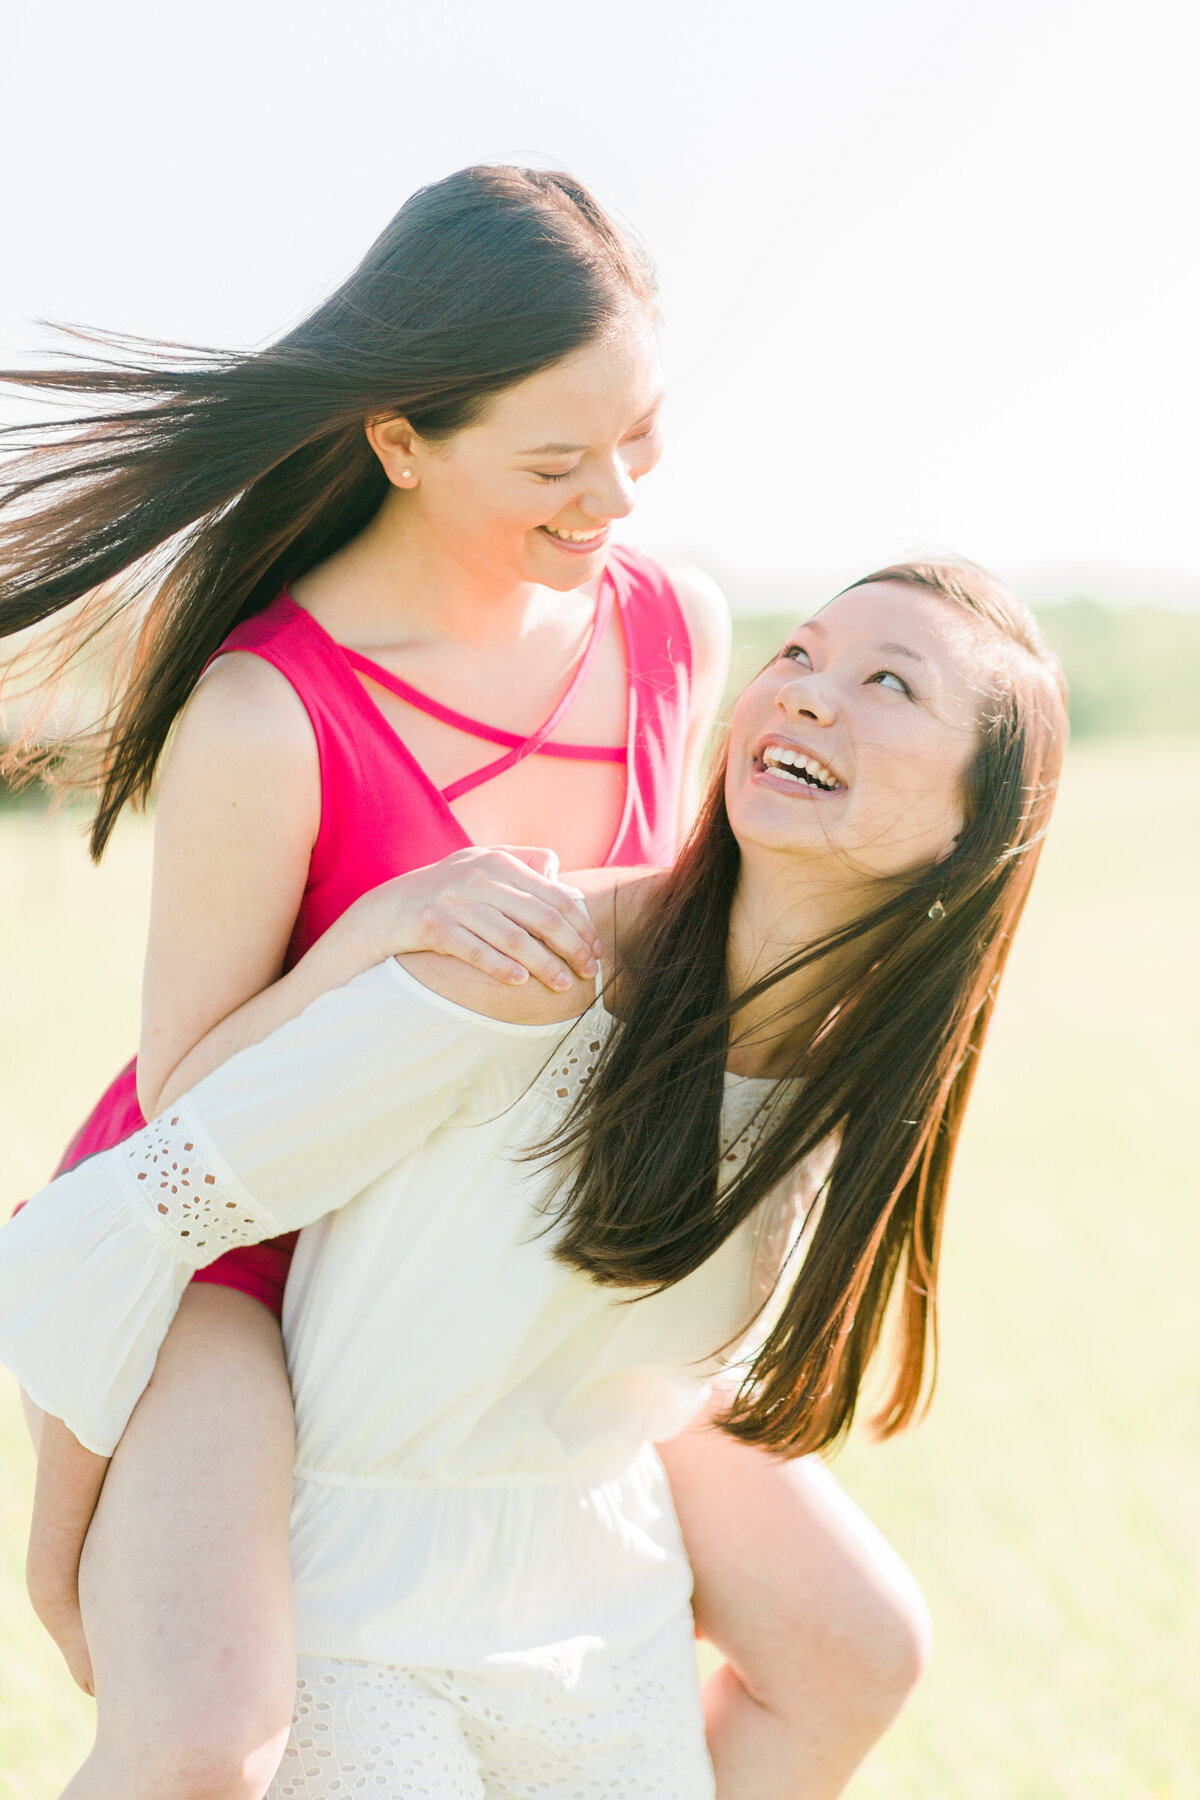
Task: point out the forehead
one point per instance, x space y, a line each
607 385
890 606
947 641
939 629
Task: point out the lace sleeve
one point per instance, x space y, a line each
92 1270
192 1203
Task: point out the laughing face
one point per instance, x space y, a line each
529 493
855 742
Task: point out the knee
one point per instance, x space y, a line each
854 1650
891 1640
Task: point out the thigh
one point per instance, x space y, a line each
185 1582
363 1728
793 1583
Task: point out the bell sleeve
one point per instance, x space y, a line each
93 1268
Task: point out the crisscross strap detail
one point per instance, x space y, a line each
517 748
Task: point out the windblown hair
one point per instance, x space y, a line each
219 477
886 1078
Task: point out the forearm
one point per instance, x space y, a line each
69 1479
336 958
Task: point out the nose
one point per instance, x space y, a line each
612 494
808 695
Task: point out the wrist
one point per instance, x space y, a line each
379 925
354 942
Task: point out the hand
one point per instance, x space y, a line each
503 911
62 1618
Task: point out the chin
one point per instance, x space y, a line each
565 584
764 827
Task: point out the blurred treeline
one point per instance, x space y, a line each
1130 669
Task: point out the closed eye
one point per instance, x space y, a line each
882 676
543 476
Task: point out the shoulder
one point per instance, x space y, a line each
615 898
527 1004
706 610
245 735
243 702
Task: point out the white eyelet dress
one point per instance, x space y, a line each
492 1597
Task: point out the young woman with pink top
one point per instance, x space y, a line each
379 649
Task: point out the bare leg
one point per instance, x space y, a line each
35 1418
823 1626
185 1583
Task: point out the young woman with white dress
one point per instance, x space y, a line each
536 1223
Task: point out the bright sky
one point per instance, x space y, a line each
930 268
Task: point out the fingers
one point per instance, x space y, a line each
449 939
545 940
547 909
513 938
497 911
65 1626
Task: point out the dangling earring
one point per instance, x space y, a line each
937 912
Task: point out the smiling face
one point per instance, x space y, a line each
855 742
530 492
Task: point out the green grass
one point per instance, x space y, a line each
1050 1502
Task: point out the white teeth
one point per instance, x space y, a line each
573 537
786 760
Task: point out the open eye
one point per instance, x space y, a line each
796 653
895 683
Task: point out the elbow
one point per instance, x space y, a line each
154 1089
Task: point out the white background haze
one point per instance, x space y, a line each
930 269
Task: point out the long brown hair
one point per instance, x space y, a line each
223 476
886 1078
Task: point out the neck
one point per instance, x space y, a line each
398 577
780 906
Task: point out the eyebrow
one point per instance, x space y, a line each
900 650
880 649
574 449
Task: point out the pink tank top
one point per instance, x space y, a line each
381 815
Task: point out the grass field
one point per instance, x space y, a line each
1051 1503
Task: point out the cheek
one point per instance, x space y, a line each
749 718
647 456
915 792
482 502
754 709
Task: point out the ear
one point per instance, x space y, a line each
397 446
951 847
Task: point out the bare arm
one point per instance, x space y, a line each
238 815
69 1479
